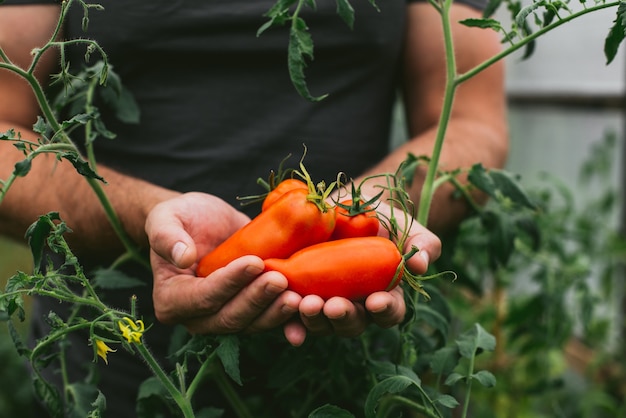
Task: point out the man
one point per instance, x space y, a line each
218 111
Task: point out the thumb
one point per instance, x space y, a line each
171 242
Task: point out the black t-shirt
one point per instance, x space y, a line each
218 111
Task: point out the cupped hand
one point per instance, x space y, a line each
343 317
238 297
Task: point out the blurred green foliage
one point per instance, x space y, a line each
16 396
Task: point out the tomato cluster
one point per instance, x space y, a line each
322 249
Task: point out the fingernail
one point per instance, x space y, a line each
288 309
425 257
273 290
178 252
338 317
382 308
254 269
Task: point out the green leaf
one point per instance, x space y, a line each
432 318
37 234
99 406
482 23
486 378
83 396
23 167
474 341
392 385
616 34
300 48
278 14
444 360
409 165
8 135
228 352
386 369
520 18
446 400
82 167
20 346
122 101
501 232
115 279
346 12
498 184
48 395
13 304
152 386
453 378
330 411
40 126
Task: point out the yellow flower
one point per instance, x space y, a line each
132 331
102 349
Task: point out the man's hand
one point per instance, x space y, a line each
236 298
240 297
386 309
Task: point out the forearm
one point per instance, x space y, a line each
467 143
53 185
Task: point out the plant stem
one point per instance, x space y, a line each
227 390
426 196
416 407
468 392
453 80
183 403
202 372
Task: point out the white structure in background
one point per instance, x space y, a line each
569 60
551 136
568 63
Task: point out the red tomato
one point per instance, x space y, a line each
352 268
353 220
282 188
290 224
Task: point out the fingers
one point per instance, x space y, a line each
429 246
295 332
180 229
238 297
336 316
168 238
386 309
180 295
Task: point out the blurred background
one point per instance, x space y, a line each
563 101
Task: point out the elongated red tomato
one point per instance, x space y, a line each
291 223
353 220
283 187
352 268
